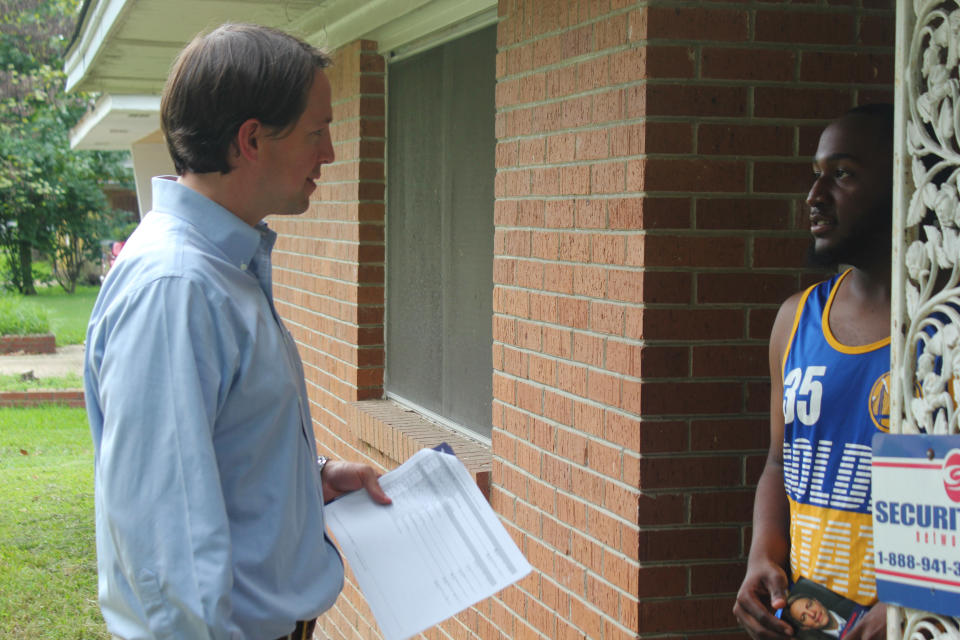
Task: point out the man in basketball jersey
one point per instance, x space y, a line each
829 369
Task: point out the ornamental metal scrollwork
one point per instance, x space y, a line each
927 351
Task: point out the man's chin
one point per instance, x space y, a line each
822 257
294 209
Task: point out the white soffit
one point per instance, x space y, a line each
392 24
124 48
127 46
116 122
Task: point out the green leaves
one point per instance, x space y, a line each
51 198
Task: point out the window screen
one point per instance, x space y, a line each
440 171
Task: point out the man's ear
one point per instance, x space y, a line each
247 142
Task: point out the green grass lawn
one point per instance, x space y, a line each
68 313
47 558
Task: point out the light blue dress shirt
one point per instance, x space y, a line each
209 505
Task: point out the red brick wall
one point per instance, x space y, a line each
648 222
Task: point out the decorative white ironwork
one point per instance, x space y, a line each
925 346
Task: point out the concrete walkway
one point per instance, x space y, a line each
66 360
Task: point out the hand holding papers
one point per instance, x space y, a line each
438 549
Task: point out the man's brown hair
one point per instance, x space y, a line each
226 77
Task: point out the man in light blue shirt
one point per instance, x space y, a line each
209 495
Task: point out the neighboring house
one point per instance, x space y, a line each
556 235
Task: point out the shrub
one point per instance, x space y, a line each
42 272
17 318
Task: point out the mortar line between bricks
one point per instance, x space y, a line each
642 419
336 183
561 359
337 261
641 43
573 263
325 279
346 384
685 306
651 157
569 396
765 195
583 599
576 296
349 385
349 161
683 4
685 233
688 82
671 119
327 258
337 203
620 483
322 410
314 313
331 336
348 364
748 8
645 342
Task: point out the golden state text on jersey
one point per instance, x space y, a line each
835 397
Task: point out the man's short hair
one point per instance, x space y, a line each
882 114
224 78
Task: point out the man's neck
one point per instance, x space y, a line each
871 284
229 190
860 313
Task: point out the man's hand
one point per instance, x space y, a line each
340 477
764 590
872 627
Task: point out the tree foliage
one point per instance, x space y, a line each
51 198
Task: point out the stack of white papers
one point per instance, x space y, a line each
438 549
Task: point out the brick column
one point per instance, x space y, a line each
328 262
329 280
651 163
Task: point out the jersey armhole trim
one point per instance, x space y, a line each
796 323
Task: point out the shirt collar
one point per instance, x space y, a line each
238 240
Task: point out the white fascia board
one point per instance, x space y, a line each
393 23
443 21
342 22
104 18
116 122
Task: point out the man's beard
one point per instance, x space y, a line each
829 258
871 236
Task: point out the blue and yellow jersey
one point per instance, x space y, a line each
835 397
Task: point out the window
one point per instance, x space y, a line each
440 173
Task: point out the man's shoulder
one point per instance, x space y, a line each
166 256
165 245
788 311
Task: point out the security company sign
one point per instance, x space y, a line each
916 521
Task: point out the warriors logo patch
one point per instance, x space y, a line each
879 403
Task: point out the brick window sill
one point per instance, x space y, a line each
397 433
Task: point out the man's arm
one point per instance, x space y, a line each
764 588
161 512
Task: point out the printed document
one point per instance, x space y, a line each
438 549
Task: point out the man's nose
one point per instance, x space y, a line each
818 191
